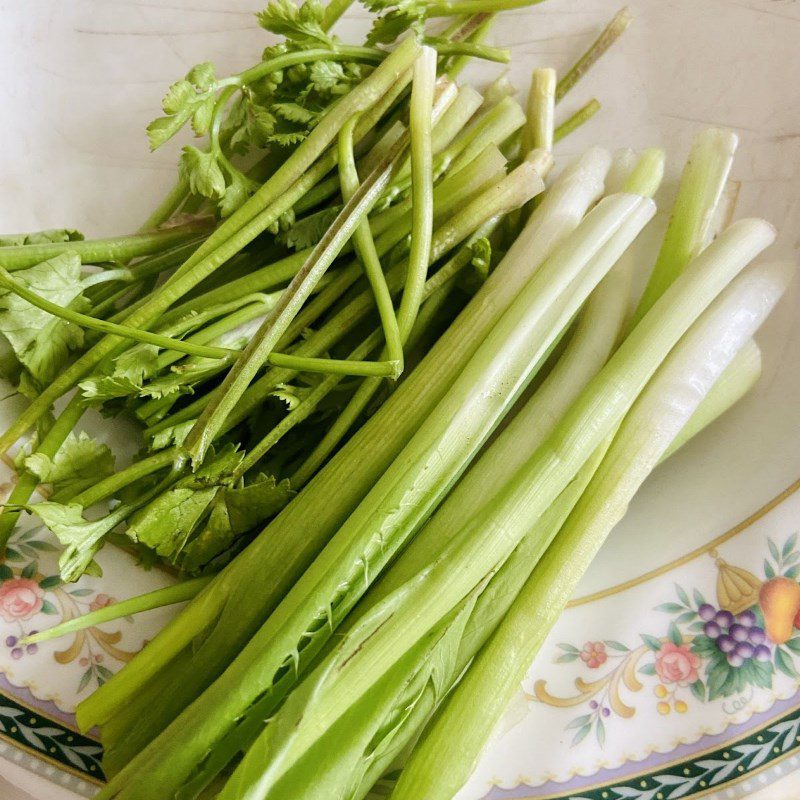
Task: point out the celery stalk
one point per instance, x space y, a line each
693 214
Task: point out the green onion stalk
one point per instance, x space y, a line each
664 408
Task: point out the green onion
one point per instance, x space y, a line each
663 409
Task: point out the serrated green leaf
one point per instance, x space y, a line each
203 115
236 194
203 76
39 340
166 523
298 23
326 75
236 511
293 112
81 538
288 139
162 129
79 462
180 95
203 172
54 235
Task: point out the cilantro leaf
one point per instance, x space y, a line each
235 512
41 237
302 24
40 341
127 377
82 539
293 112
203 172
191 98
308 231
388 28
166 523
79 462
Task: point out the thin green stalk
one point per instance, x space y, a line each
497 195
91 251
334 11
610 34
693 214
255 354
647 174
449 8
475 30
499 55
494 127
168 206
589 348
539 127
109 487
580 117
421 111
169 671
367 252
27 481
160 598
364 394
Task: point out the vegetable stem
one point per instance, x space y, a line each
581 116
169 595
622 19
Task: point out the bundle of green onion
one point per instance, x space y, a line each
438 389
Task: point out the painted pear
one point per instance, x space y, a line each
779 599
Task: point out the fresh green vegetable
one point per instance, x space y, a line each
286 548
664 408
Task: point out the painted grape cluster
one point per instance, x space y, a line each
739 637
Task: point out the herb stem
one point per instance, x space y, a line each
581 116
610 34
27 482
169 595
168 206
421 111
367 252
109 487
91 251
447 8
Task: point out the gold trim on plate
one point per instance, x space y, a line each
700 551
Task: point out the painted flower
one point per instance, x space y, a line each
101 601
594 654
20 598
677 664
